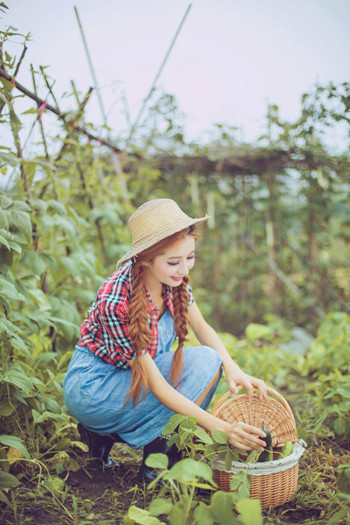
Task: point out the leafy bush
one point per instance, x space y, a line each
328 367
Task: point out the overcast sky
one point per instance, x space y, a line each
232 57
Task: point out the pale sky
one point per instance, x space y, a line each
231 58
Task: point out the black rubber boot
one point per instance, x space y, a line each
99 446
158 445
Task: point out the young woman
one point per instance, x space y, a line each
123 383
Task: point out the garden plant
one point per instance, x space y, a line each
277 293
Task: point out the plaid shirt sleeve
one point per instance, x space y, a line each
105 331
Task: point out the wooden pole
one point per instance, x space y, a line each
154 83
115 157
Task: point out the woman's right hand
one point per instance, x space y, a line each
244 436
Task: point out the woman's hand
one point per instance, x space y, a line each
244 436
235 377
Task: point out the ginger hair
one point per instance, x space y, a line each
139 331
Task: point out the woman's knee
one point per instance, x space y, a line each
208 358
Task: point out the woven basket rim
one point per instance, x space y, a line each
265 468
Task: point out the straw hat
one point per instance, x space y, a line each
153 221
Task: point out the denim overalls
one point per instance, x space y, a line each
95 390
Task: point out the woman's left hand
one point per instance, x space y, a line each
238 377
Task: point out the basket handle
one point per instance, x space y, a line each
269 390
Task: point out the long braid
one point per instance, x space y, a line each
180 301
139 331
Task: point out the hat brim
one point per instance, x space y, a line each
147 243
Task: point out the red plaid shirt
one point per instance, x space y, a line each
105 331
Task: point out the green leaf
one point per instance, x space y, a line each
4 222
14 442
202 514
34 261
4 242
5 201
142 517
19 379
57 206
250 511
71 266
228 460
177 515
240 484
222 508
340 426
6 408
160 506
21 221
219 437
203 436
9 159
157 461
9 290
173 423
3 498
258 331
188 470
8 481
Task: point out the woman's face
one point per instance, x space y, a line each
171 266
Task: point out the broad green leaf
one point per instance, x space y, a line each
9 290
190 470
340 426
228 460
142 517
177 515
222 508
250 511
14 442
160 506
34 261
9 159
21 205
6 408
5 201
3 498
203 515
20 220
57 484
4 222
4 242
219 437
240 484
203 436
258 331
71 266
7 480
173 423
157 461
57 206
19 379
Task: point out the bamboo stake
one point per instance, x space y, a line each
115 158
41 126
79 114
92 206
154 83
49 87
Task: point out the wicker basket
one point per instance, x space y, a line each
273 482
